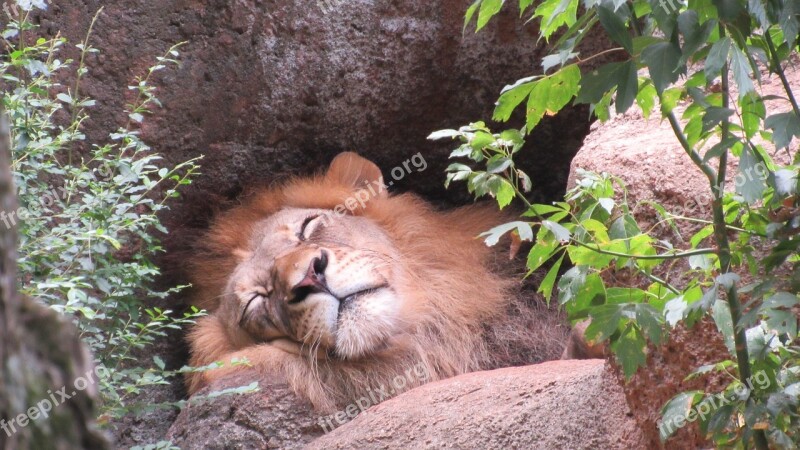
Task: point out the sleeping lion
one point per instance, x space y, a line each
336 287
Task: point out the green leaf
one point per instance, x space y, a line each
784 322
552 93
698 237
159 362
588 257
702 262
665 14
510 99
605 322
64 98
695 40
675 412
630 350
557 59
617 295
470 13
741 68
784 127
545 247
615 27
523 229
523 5
662 60
646 98
598 82
753 112
442 134
554 14
778 312
488 9
721 313
751 180
714 115
546 286
788 21
498 164
562 234
719 148
624 227
650 321
480 140
505 193
675 310
670 98
717 57
628 87
577 290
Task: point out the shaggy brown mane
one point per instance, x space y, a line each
475 317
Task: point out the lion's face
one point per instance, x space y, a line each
328 283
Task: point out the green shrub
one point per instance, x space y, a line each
693 53
88 218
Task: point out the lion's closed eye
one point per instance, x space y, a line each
309 226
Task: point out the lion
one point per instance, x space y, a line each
335 286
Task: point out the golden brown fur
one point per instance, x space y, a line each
457 297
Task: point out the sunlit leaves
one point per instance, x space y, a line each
555 14
486 9
501 179
550 94
510 98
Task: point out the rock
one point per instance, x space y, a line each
272 418
270 88
558 404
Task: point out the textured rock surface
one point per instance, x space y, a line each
558 404
269 88
271 418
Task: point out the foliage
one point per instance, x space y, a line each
88 212
694 53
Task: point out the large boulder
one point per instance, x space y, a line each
557 404
273 88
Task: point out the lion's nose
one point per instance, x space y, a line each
314 280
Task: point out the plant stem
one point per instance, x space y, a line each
660 281
696 158
604 52
699 251
81 67
724 254
773 56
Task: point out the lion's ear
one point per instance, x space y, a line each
349 169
